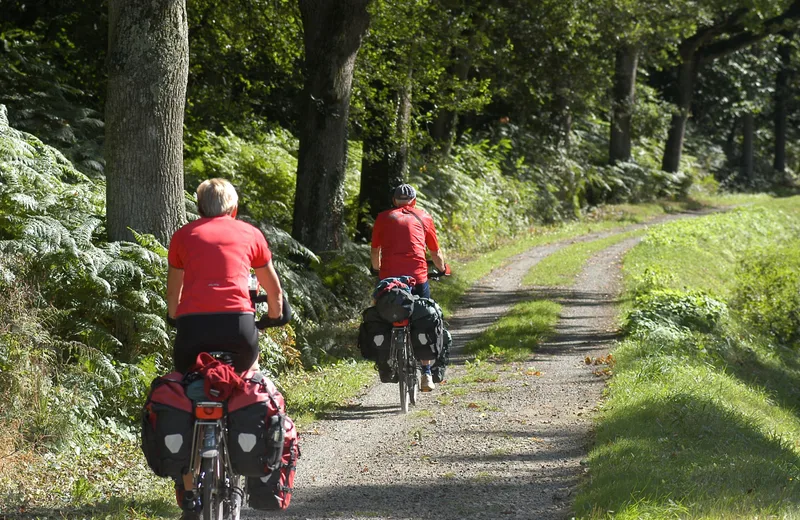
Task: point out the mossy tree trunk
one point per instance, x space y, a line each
626 62
148 66
782 100
748 138
333 31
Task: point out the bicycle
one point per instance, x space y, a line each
401 355
403 361
221 491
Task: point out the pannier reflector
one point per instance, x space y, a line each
173 442
378 340
208 412
247 442
423 339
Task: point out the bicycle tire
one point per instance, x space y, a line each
399 339
213 507
413 386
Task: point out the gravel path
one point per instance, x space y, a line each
508 445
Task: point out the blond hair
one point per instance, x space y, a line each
216 197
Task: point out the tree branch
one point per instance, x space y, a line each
739 41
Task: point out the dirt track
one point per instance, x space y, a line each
509 448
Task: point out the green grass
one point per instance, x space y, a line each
310 395
517 334
699 425
105 478
562 267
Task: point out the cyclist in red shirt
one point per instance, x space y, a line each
399 239
208 291
208 280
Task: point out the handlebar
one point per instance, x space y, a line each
265 321
434 273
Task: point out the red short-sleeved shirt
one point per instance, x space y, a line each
216 255
402 234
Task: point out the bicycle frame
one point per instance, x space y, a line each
210 464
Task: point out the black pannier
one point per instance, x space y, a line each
374 336
168 426
440 366
427 326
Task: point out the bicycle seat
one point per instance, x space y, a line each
222 355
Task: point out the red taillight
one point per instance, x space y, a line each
208 411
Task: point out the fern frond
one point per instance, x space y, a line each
95 361
83 233
150 243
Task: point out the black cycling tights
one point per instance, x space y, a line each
235 333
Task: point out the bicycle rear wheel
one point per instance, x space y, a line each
399 339
213 507
413 385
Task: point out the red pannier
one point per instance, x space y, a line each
262 442
167 426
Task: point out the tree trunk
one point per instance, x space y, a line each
148 66
781 106
624 89
384 164
332 35
673 149
748 131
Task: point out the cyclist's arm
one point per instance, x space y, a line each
174 289
438 259
375 255
268 279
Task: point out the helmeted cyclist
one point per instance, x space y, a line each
208 289
400 237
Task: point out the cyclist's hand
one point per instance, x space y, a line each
172 322
284 318
373 271
447 271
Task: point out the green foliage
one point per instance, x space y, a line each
767 292
263 170
472 202
44 102
700 417
694 310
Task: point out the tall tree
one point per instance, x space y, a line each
333 32
737 29
148 63
624 90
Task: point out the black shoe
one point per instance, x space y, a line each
261 495
190 504
387 374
